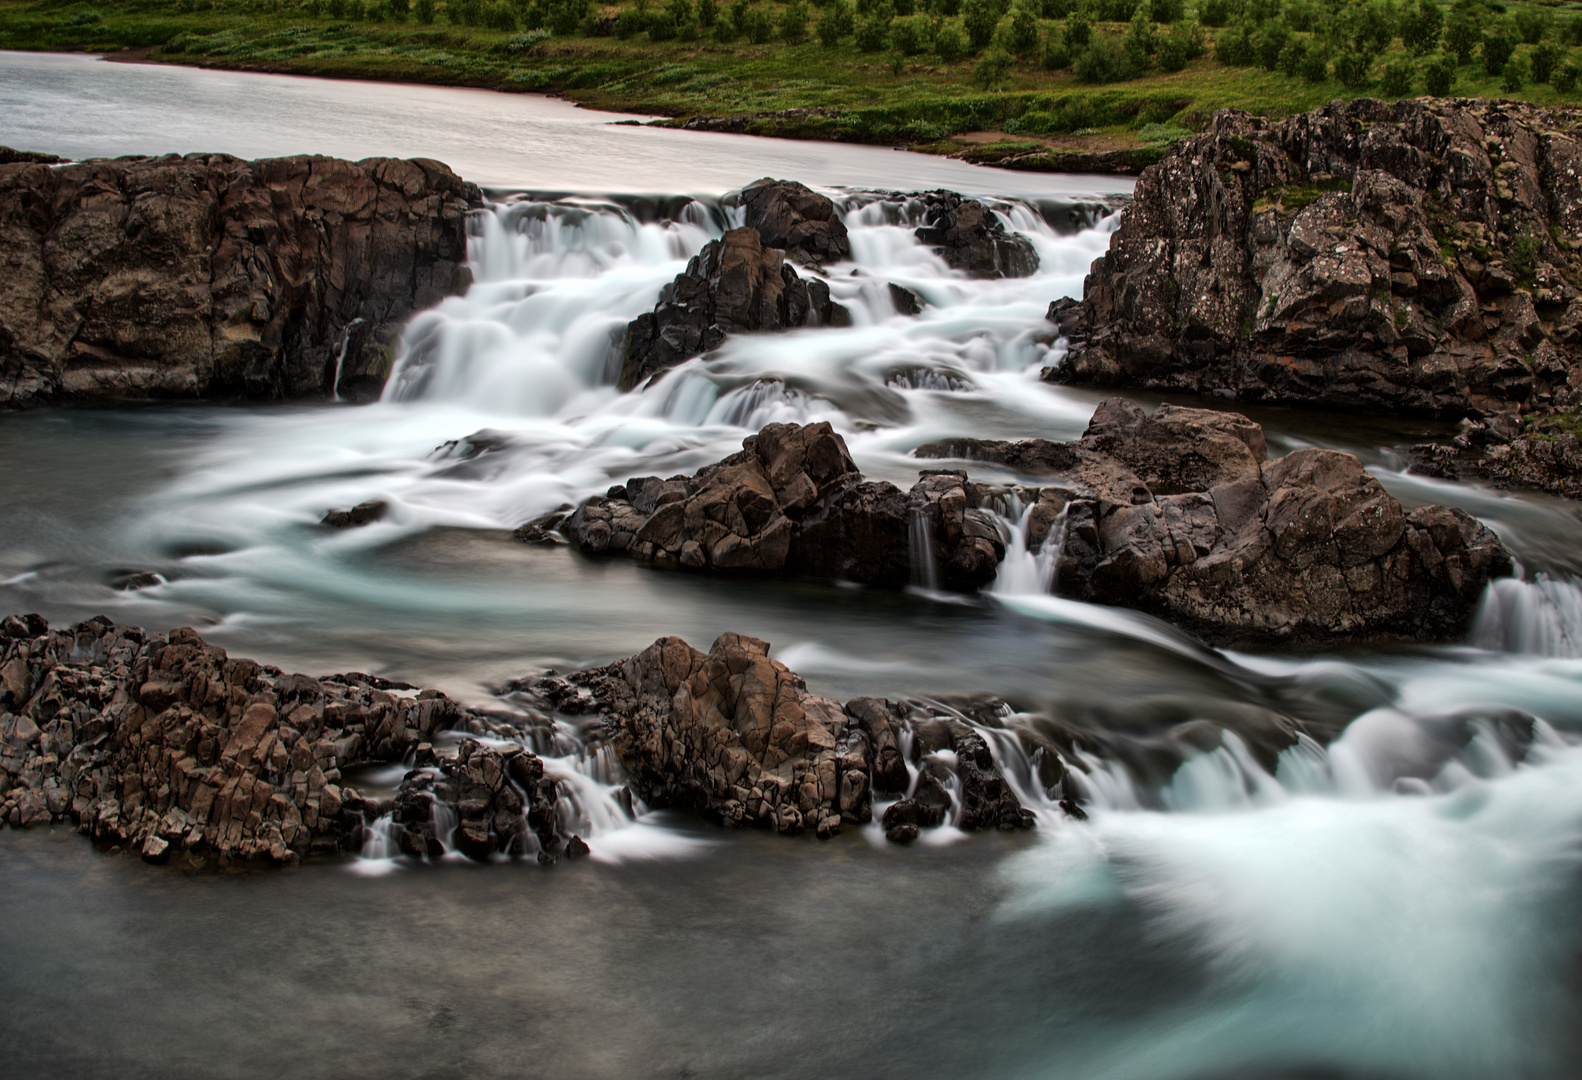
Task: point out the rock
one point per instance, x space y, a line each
9 156
803 223
792 501
969 237
736 284
492 795
148 742
1182 515
209 276
905 300
1409 258
1545 455
361 514
737 737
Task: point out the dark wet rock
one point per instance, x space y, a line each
361 514
1182 515
969 237
738 738
159 744
1504 450
905 300
210 276
736 284
499 799
804 224
792 501
1409 257
543 531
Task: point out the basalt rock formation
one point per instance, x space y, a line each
969 237
1182 514
1505 450
161 743
737 737
736 284
1417 257
796 219
209 276
792 501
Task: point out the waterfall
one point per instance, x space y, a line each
920 549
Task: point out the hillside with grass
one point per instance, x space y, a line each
1026 83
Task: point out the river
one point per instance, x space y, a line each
1398 904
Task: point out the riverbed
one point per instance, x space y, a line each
1399 903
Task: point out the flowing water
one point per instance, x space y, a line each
1394 896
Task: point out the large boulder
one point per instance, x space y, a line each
790 216
1408 257
969 237
210 276
737 737
792 501
164 743
1181 514
736 284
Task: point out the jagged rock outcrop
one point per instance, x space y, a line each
1181 514
1501 449
736 284
969 237
796 219
792 501
1416 257
210 276
160 743
737 737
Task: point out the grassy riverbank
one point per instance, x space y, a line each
1017 82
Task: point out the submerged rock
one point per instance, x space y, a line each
1181 514
361 514
1408 257
737 737
792 501
158 743
210 276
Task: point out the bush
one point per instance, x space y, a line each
1439 75
1214 13
1544 58
1533 24
524 42
1352 69
1270 43
993 70
1056 56
628 23
1103 62
1261 10
1567 77
758 26
1116 10
1166 11
1292 58
874 34
1055 9
910 35
1498 48
708 12
836 22
424 9
566 15
1182 45
949 46
1021 37
738 19
662 27
1138 43
947 9
979 19
1301 16
1462 35
1396 78
1421 27
1078 31
1315 68
793 23
1234 47
1514 75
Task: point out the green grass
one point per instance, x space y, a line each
838 92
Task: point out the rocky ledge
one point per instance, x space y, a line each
1416 257
161 743
1180 514
1507 450
746 281
737 737
209 276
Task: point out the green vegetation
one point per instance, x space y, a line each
1060 76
